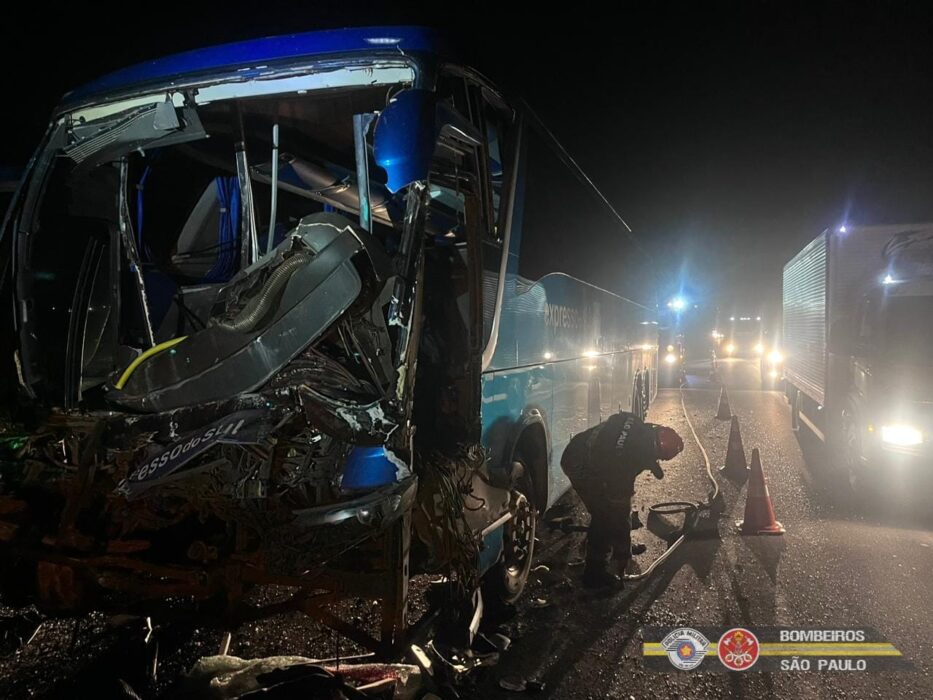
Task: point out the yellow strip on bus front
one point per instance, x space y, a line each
799 649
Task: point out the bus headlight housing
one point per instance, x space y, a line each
901 435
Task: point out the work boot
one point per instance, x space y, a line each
597 576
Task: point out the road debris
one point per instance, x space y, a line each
513 683
228 677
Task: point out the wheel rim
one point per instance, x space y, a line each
850 455
518 538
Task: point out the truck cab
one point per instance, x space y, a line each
886 417
858 328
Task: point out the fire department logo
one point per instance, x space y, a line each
738 649
685 648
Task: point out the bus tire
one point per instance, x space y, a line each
646 389
504 582
638 398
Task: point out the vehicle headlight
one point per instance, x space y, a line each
730 348
759 348
670 358
775 357
901 435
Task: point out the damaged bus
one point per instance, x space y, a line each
306 311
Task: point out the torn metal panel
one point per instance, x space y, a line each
132 254
266 319
152 126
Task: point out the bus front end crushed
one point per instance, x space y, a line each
217 319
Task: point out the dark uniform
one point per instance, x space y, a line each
602 464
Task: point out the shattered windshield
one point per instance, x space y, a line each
150 207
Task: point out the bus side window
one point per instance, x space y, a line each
454 173
453 90
455 189
497 164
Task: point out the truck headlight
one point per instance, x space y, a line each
670 358
901 435
775 357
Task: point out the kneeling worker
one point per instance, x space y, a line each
602 464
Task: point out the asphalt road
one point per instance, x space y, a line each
832 568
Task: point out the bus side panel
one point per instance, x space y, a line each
587 390
510 399
570 351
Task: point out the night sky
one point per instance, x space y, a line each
727 135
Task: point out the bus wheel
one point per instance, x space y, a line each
638 399
506 580
646 391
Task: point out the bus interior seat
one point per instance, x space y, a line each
205 256
206 248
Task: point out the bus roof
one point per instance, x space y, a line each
256 53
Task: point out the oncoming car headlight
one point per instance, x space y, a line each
775 357
730 348
901 435
759 348
670 358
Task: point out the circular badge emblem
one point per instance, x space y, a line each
738 649
685 648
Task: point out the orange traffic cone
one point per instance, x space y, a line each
724 412
735 467
759 513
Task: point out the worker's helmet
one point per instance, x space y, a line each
668 442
